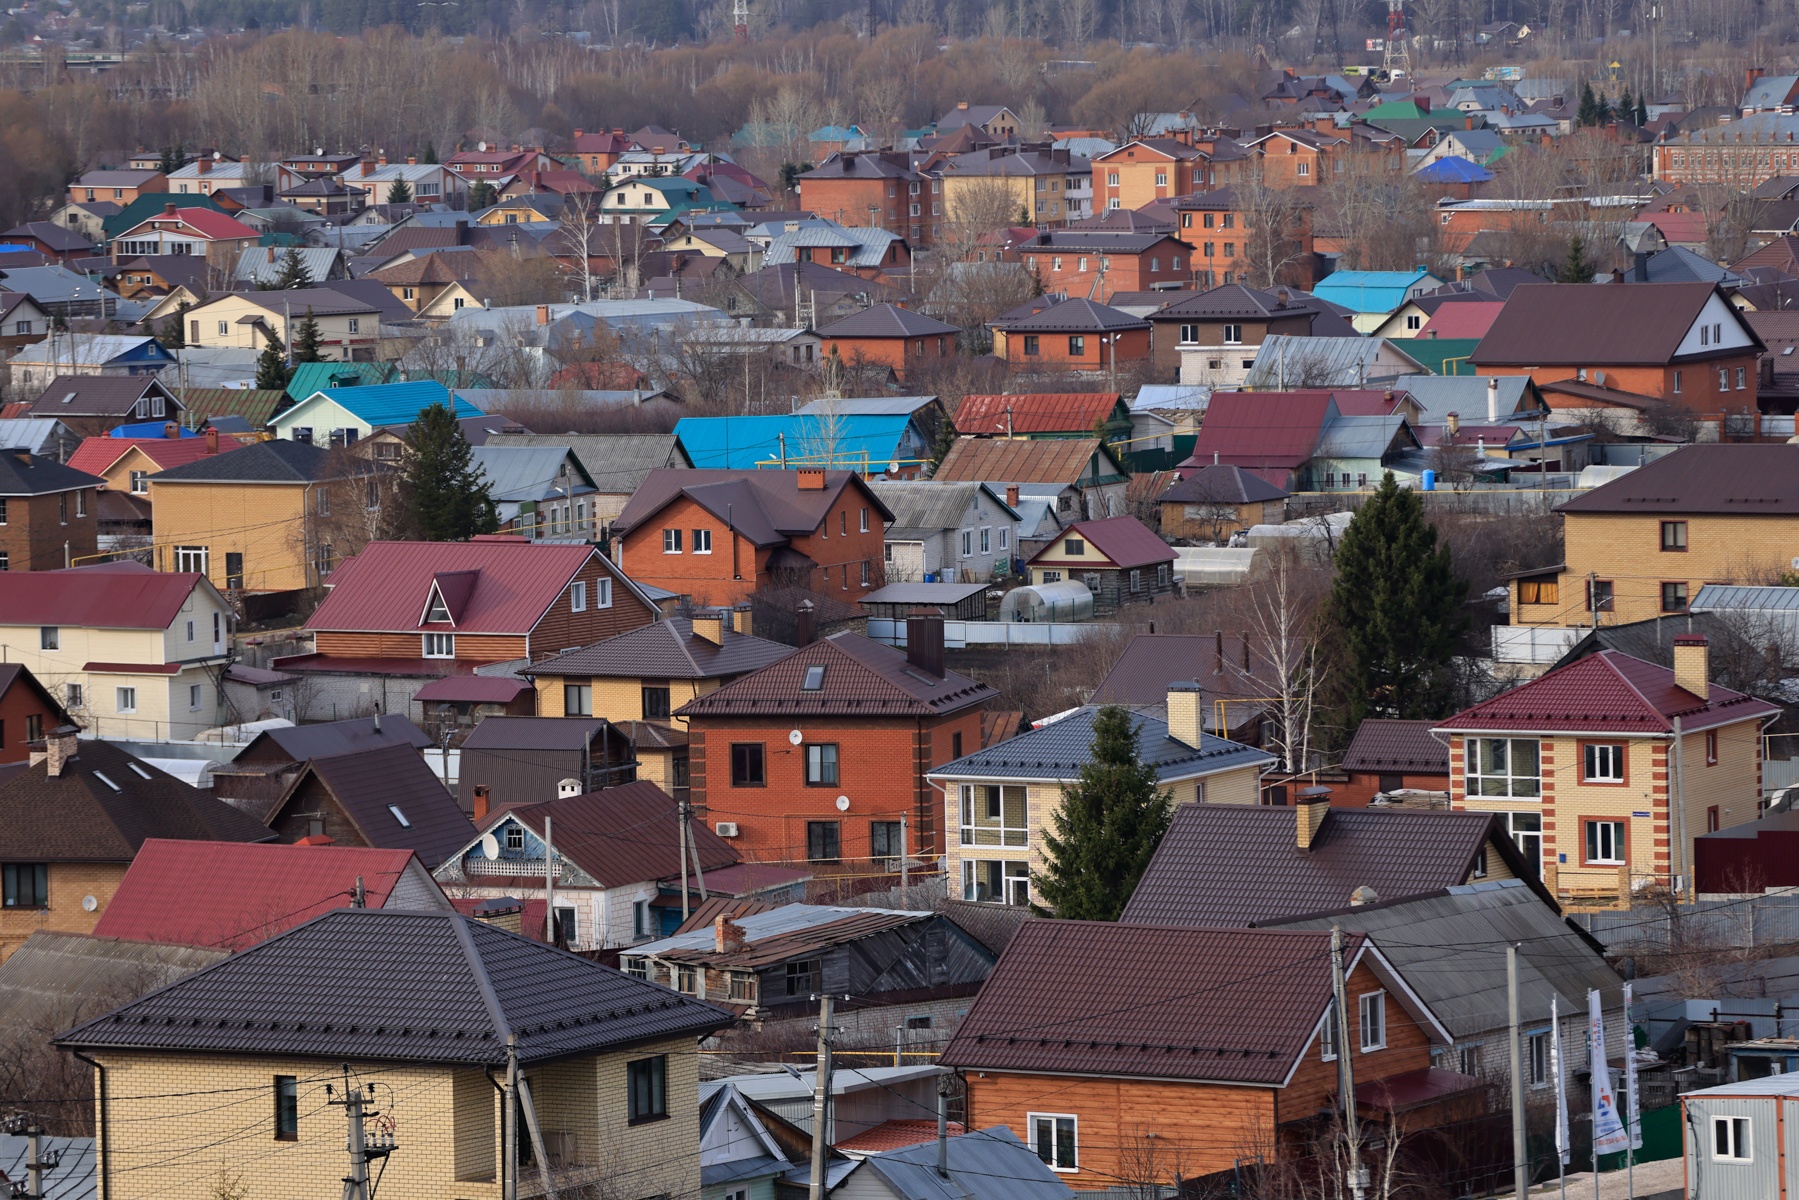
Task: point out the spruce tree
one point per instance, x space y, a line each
306 340
174 330
1577 267
1627 108
431 154
1397 605
1108 826
293 273
1641 116
272 373
447 494
481 195
1588 112
399 192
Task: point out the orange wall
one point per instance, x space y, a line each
1124 272
893 352
1052 350
1699 388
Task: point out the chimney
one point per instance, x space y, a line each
412 160
1185 713
1493 401
543 314
1012 495
1617 275
205 166
368 168
577 133
1454 422
171 430
481 801
168 210
59 748
709 627
381 157
271 254
1310 807
1690 671
803 628
1363 895
811 479
924 641
727 935
1751 74
503 913
961 106
567 787
212 445
740 620
1468 121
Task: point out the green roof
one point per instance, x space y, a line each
1441 356
255 405
149 205
317 377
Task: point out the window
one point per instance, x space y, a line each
190 631
224 329
577 596
1604 843
1723 379
602 593
1677 383
746 764
1730 1140
1712 821
125 699
440 645
996 881
986 540
1711 747
566 928
193 697
1674 536
671 541
49 637
27 885
1136 579
62 509
824 841
821 764
702 541
1077 345
1502 767
302 433
887 843
1414 321
1537 1070
287 1108
813 680
1374 1021
1190 335
140 483
648 1081
1740 380
1599 595
993 815
1074 547
1161 179
655 703
640 919
1002 537
1602 762
1233 335
955 745
74 697
191 558
1304 168
967 542
1674 597
1162 575
1230 249
864 566
515 837
802 977
843 525
1053 1137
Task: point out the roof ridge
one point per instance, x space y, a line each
465 940
1606 656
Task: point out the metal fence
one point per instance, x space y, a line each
958 635
1718 924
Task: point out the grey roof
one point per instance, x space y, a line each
98 395
1222 484
665 650
38 476
1077 314
36 434
278 461
56 285
779 1085
254 263
923 508
55 979
868 406
1358 437
302 742
1059 750
532 733
788 918
867 246
887 320
1172 396
519 473
991 1164
616 463
383 984
1723 596
1480 920
1314 362
924 593
73 1177
1440 395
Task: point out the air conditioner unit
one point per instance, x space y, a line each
727 829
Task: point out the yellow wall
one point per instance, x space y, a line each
621 699
332 329
263 522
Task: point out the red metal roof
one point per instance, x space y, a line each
129 596
1468 319
1261 429
1035 412
1607 692
1413 1089
203 221
1122 541
474 689
96 454
896 1135
385 587
235 894
125 668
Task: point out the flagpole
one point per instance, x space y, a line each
1561 1095
1633 1110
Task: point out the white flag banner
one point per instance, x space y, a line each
1633 1109
1561 1080
1608 1131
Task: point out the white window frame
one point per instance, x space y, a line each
1537 1066
1374 1003
1739 1139
1327 1033
438 645
671 541
124 699
985 828
1074 1136
1602 762
702 541
577 596
193 697
602 593
193 559
1592 843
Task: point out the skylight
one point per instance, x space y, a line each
814 680
139 770
399 816
109 783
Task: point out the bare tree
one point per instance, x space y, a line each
1273 219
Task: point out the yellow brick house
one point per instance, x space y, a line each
999 800
1606 768
443 1027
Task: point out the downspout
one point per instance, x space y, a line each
1680 810
100 1130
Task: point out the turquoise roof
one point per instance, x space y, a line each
379 404
316 377
1369 291
746 443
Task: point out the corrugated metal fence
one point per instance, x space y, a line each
1717 924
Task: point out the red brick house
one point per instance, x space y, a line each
821 757
1071 260
881 189
27 712
717 536
1075 335
1388 756
1217 229
890 335
49 518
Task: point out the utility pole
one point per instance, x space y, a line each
359 898
36 1160
549 884
1345 1069
685 912
821 1102
509 1124
358 1143
1520 1167
905 856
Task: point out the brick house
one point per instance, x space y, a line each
718 536
1387 756
886 334
1149 170
94 405
1292 158
1050 186
1119 559
879 188
117 187
1607 768
821 757
386 798
1212 338
597 149
1216 225
1074 335
27 710
1073 261
49 513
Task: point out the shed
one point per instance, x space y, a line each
1065 601
952 601
1736 1137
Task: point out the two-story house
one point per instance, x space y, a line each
41 365
349 326
1607 768
118 187
1000 799
1144 171
339 416
717 536
1118 558
1219 227
1101 262
195 232
1212 338
881 188
130 652
948 531
1086 476
49 513
821 757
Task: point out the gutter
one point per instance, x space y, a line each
100 1127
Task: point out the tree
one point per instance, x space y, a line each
1577 267
1106 829
272 371
399 192
173 157
174 330
1397 605
1641 115
1588 112
446 492
431 154
481 195
306 341
293 273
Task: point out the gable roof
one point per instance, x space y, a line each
393 798
1608 692
1077 313
887 321
501 585
402 986
617 463
208 223
746 443
381 404
1263 429
1123 541
925 508
861 678
625 835
276 461
1394 747
1233 864
766 506
23 473
1595 323
99 395
1059 749
1035 412
782 932
297 743
1222 483
1715 479
1024 460
991 1164
666 649
97 454
103 596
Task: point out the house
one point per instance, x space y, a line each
640 199
338 416
427 183
1371 295
55 242
1084 471
509 761
125 464
1216 502
119 187
1608 768
39 365
538 491
232 895
1144 171
1387 756
890 336
432 285
1677 343
72 820
598 149
49 515
94 405
1119 559
23 322
1053 185
349 326
864 443
1000 799
988 1164
1703 514
774 750
946 531
263 265
129 652
197 232
31 709
718 536
857 250
1138 1048
618 463
1046 414
879 188
208 175
1235 673
1220 229
1071 335
260 773
1212 338
1300 441
441 1006
385 797
1098 263
1340 362
619 852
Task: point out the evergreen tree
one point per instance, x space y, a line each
1108 825
1397 605
1641 116
400 192
171 160
293 273
174 330
306 341
1588 112
481 195
272 372
431 154
1577 267
446 492
1627 108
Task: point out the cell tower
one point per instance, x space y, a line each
740 19
1397 61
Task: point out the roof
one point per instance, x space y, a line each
1076 313
277 461
617 463
104 805
301 742
1468 319
861 678
1231 864
473 689
493 585
235 894
765 506
1720 479
1115 999
533 733
1340 362
1451 169
214 226
992 925
255 406
372 984
778 934
1262 429
520 473
924 508
1222 484
1593 323
864 442
666 650
1394 747
1022 460
23 473
380 404
1369 291
106 596
394 799
96 454
94 395
1035 412
1123 541
625 835
1058 751
990 1165
896 1135
1608 692
887 320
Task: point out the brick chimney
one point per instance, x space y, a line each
727 935
171 430
481 801
504 913
1012 495
1186 713
924 640
709 627
59 748
811 479
204 166
1691 671
740 619
212 441
368 168
543 314
1310 806
168 210
804 627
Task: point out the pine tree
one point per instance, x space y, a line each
1397 605
293 273
1577 267
172 159
431 154
446 492
481 195
1642 113
174 330
272 372
1626 108
1106 829
306 341
400 192
1588 112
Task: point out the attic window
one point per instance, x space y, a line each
109 783
439 611
814 680
68 398
399 816
139 770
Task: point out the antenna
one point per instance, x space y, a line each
740 19
1397 61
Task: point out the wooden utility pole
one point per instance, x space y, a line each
1345 1069
821 1102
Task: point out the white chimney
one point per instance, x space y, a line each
567 788
1492 401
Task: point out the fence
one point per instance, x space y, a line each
1716 924
1487 501
958 635
1532 643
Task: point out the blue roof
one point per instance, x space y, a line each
395 403
746 443
1060 749
1369 291
1453 170
147 429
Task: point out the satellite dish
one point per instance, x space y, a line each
795 737
490 846
89 903
843 804
893 468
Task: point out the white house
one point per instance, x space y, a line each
953 532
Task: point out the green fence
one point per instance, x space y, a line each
1661 1139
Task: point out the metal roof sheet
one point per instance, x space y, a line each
991 1164
1593 323
782 933
1396 747
1024 460
109 596
1712 479
887 321
856 441
1121 541
925 508
666 649
861 678
394 800
617 463
1715 597
513 583
1059 750
1035 412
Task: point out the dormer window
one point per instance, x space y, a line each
438 610
814 679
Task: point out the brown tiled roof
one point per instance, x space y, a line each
432 268
626 834
1035 412
1715 479
1152 661
887 321
764 506
371 784
861 678
1234 1006
1018 460
1396 747
97 396
1121 541
1589 324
